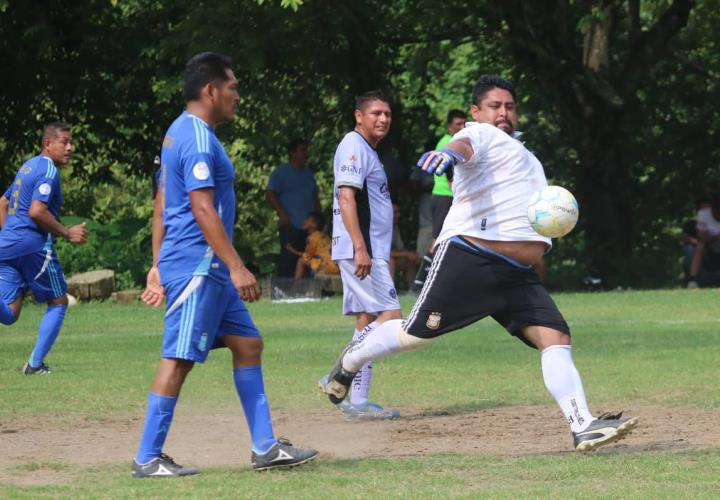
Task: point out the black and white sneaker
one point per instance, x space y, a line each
161 466
282 454
43 369
338 381
607 429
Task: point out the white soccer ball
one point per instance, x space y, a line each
553 211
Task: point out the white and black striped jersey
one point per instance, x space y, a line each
357 165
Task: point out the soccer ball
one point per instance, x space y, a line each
553 211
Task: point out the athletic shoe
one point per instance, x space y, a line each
339 380
367 411
607 429
43 369
161 466
282 454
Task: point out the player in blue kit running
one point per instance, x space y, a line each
29 213
198 271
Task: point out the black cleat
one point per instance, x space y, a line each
161 466
43 369
339 380
607 429
282 454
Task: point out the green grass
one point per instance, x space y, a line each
640 348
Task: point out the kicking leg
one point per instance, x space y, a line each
386 339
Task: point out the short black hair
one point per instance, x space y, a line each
319 220
455 113
201 69
297 142
372 95
489 82
51 130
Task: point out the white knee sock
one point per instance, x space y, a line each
386 339
563 382
361 382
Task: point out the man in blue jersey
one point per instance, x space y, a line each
29 213
198 271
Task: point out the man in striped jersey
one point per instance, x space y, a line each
197 269
29 213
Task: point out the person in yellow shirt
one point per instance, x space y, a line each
316 258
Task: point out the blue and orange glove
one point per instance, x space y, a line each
437 162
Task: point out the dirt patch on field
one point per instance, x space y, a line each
32 450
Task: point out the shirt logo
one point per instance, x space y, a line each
201 171
433 321
393 293
44 189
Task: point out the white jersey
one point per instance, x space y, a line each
492 189
357 165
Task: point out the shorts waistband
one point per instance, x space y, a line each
483 249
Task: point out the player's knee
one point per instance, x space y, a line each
408 341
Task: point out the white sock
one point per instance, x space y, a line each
563 382
361 383
386 339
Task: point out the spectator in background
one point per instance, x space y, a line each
402 259
705 266
442 194
293 193
422 185
316 258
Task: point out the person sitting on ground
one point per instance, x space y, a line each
316 257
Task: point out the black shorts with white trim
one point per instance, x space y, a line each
467 283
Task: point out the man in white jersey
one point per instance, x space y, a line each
483 265
362 236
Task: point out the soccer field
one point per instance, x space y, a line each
477 420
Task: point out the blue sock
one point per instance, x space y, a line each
6 315
251 389
160 411
47 333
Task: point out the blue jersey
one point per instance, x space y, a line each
193 158
38 179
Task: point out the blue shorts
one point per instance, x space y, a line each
199 312
39 271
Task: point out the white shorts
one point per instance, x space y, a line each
373 295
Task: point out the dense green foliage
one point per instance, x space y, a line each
615 98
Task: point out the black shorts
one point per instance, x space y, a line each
467 283
440 206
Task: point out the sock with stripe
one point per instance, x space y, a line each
160 410
6 315
251 390
47 333
563 382
361 383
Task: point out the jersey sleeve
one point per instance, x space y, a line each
8 191
198 168
350 169
478 140
45 188
275 181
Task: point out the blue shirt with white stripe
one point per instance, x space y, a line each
38 179
192 158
